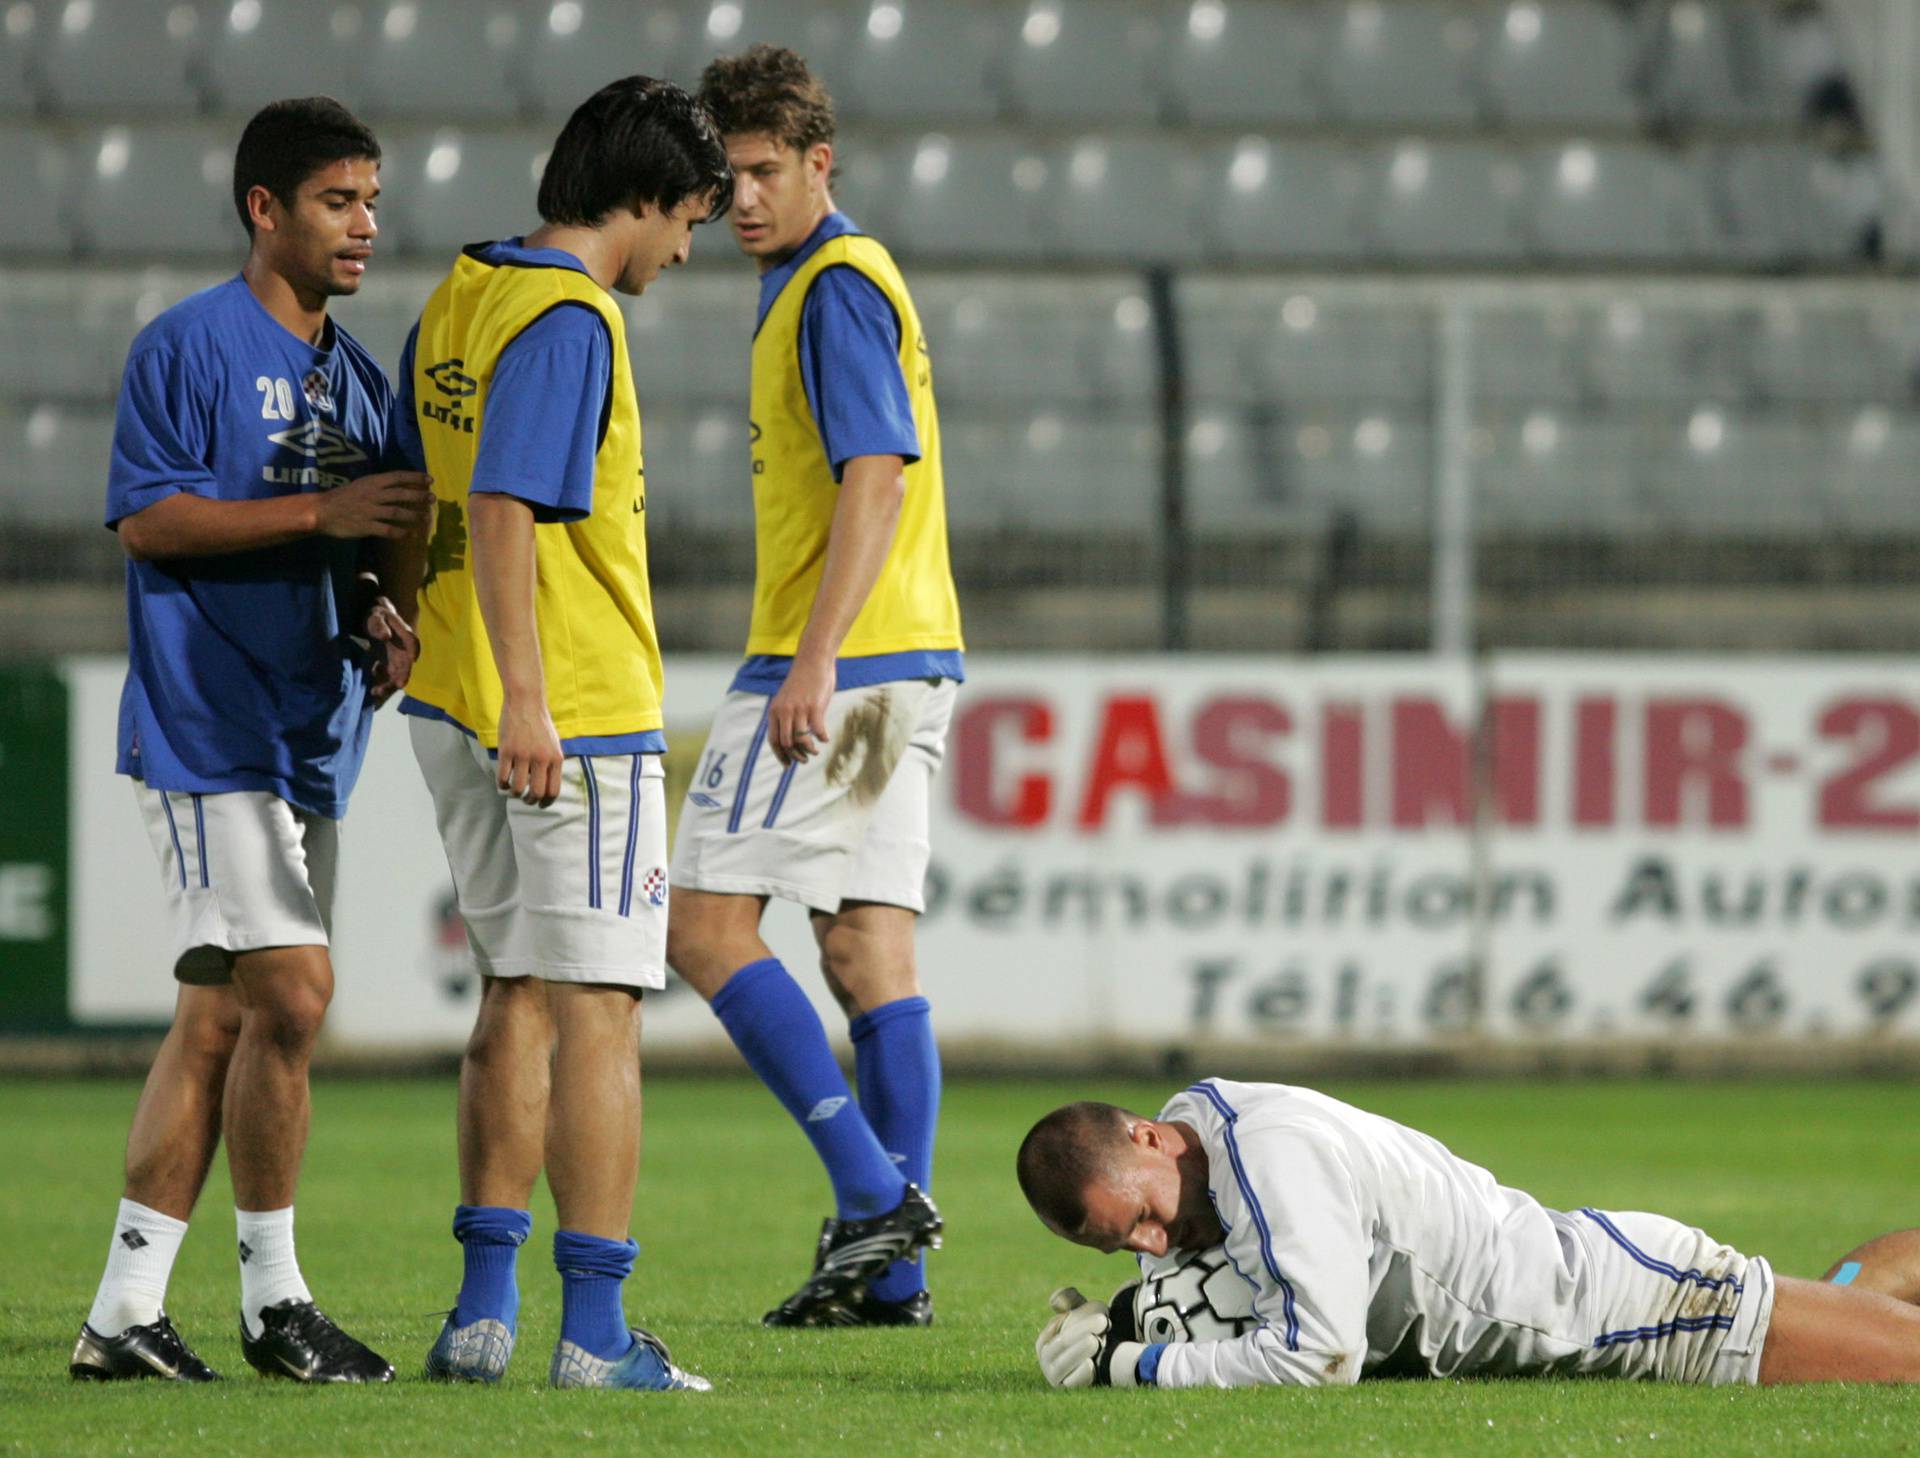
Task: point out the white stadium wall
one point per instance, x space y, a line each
1259 853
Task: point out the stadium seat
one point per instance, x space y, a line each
1133 199
1786 204
1250 342
920 61
67 335
1569 63
1054 341
270 49
1657 357
1828 353
691 340
1281 202
37 173
698 475
20 32
1530 353
1242 471
1258 69
1447 202
443 60
1711 61
382 314
1866 461
1375 467
983 199
1402 62
120 57
1084 60
1758 479
164 190
1615 203
57 458
1559 473
450 188
1049 470
574 47
865 175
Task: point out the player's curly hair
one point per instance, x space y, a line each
1065 1153
768 89
286 142
635 140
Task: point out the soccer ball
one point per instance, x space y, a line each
1200 1299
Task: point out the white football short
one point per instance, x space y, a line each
1671 1303
850 824
575 891
242 870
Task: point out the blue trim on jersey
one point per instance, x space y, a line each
1147 1369
200 840
1231 1117
779 795
764 673
641 741
593 833
1665 1268
633 839
1665 1328
746 773
173 829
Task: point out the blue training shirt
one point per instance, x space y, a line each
850 369
546 416
242 673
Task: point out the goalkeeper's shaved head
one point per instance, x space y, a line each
1072 1148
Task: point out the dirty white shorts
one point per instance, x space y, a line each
850 824
241 870
1672 1303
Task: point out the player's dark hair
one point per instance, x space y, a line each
768 89
1066 1152
634 141
288 141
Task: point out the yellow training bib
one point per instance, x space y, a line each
913 604
592 602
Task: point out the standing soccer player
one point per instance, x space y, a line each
853 657
247 487
536 715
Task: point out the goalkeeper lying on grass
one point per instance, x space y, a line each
1370 1249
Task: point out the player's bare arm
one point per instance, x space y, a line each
864 517
503 579
396 567
389 504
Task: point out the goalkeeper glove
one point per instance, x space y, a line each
1083 1346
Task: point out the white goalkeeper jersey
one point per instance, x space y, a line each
1372 1248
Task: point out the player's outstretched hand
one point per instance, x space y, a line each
390 504
797 717
399 647
530 760
1081 1348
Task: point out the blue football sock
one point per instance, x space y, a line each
776 1029
490 1238
897 1067
591 1271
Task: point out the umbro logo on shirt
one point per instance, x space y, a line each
325 444
450 380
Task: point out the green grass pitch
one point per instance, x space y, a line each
728 1206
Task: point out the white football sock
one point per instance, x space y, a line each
133 1288
269 1274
